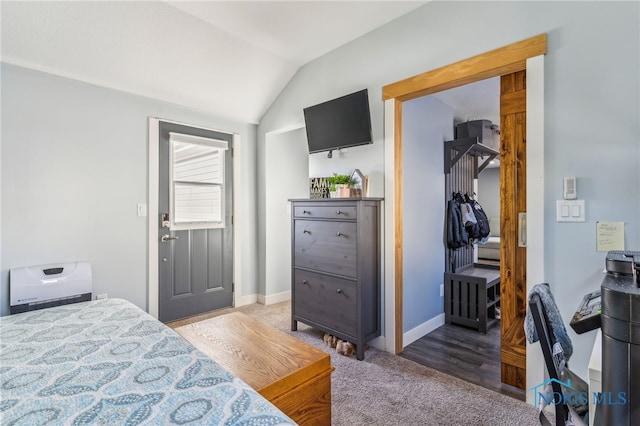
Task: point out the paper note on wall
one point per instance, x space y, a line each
610 236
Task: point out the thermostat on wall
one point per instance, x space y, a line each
569 190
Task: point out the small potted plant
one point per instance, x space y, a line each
342 185
333 191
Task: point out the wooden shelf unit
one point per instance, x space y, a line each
471 296
472 293
456 149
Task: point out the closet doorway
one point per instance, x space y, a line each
509 63
467 345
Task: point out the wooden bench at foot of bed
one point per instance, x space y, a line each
293 375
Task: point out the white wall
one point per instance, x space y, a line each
344 161
592 105
289 154
74 166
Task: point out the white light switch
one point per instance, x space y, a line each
142 209
575 211
570 211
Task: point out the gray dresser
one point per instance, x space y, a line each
335 261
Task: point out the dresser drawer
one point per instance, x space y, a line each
325 212
326 246
327 300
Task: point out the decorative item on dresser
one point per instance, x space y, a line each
341 184
336 267
319 187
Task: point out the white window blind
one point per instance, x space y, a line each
197 181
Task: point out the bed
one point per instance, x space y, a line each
491 249
109 362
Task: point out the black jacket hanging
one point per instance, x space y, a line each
457 235
480 229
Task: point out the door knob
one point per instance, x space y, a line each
167 237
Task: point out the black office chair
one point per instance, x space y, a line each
559 373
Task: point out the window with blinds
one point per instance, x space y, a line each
197 177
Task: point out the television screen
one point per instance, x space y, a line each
339 123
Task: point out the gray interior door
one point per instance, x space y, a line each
195 246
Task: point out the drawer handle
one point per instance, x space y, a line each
305 282
339 212
339 234
306 232
339 291
306 212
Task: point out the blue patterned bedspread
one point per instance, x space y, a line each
109 362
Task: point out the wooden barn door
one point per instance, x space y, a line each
513 253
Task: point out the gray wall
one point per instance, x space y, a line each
427 123
74 166
289 180
592 106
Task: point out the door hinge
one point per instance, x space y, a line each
231 220
233 151
233 287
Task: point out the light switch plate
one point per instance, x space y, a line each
570 211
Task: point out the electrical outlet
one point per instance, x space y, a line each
102 296
441 290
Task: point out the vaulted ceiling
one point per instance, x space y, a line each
228 58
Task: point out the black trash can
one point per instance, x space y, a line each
620 402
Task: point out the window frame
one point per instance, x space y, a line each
222 146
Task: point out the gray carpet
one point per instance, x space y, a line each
385 389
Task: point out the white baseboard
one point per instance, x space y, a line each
245 300
422 330
263 300
379 343
274 298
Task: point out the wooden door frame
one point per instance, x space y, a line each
498 62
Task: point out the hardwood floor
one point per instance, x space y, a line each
196 318
464 353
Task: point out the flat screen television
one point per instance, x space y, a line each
339 123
